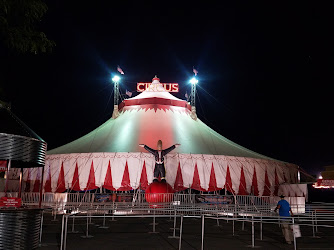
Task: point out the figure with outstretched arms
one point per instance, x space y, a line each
159 154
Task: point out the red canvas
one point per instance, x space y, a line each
108 180
28 181
276 183
213 181
61 180
228 182
37 181
255 187
178 184
242 185
125 185
91 179
267 186
47 186
75 180
143 178
196 181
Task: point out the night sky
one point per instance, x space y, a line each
265 70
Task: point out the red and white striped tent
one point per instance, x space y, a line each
110 157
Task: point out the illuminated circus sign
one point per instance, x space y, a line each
324 183
169 87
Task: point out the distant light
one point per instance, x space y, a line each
193 80
320 177
116 78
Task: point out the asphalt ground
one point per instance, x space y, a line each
135 233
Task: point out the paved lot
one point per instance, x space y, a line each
133 233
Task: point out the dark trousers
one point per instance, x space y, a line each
159 170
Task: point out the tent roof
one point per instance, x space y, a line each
149 117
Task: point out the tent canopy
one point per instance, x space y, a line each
152 116
109 156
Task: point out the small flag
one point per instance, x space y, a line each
186 95
195 71
128 93
120 70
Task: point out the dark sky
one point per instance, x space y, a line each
265 70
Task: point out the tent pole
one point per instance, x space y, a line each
41 189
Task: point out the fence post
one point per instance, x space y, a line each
55 213
253 237
153 224
112 212
313 231
104 219
203 225
294 236
73 232
316 221
181 227
233 225
174 228
261 228
170 214
65 234
87 236
90 217
41 229
62 234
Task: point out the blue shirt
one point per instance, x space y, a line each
284 209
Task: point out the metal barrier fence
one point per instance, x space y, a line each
62 201
312 219
244 209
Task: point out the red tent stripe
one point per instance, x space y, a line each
61 180
242 185
125 185
75 180
255 188
267 186
47 186
228 182
108 180
37 182
143 178
284 177
91 179
276 183
178 184
196 180
28 181
213 181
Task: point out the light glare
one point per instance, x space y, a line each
193 80
116 78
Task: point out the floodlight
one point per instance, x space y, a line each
116 78
193 80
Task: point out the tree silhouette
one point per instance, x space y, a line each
19 21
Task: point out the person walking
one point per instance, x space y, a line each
285 212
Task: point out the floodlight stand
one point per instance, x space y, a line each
115 113
193 95
193 114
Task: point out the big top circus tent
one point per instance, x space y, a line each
109 156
